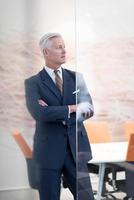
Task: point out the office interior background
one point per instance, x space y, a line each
99 37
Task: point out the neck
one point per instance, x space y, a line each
52 66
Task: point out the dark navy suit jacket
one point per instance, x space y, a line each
53 126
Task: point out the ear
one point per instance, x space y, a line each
45 52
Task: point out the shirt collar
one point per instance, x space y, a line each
51 71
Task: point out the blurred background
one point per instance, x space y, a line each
99 37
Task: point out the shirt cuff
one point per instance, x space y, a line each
69 112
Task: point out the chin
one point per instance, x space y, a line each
63 61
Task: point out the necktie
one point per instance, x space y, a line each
58 81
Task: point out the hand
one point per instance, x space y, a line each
72 108
84 109
86 115
42 103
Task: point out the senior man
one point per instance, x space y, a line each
52 98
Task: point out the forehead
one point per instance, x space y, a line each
55 41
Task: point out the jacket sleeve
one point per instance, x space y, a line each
83 98
42 113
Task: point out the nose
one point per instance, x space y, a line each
63 50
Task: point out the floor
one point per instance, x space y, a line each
29 194
33 195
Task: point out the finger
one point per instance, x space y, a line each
41 102
86 115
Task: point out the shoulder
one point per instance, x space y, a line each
70 72
74 74
32 79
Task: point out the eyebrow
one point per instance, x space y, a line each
60 45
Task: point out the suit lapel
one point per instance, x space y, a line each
46 79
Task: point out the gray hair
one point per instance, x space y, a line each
43 43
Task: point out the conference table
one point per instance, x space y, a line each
105 153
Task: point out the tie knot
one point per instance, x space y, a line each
56 71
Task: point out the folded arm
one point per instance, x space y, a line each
39 112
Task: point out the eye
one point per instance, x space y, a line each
61 47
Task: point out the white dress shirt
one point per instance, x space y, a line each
52 74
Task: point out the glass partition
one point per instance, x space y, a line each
105 35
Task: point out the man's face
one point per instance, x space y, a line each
55 55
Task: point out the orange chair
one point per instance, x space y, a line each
32 168
129 129
98 132
130 150
22 144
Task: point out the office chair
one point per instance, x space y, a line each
32 168
121 185
129 129
98 132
